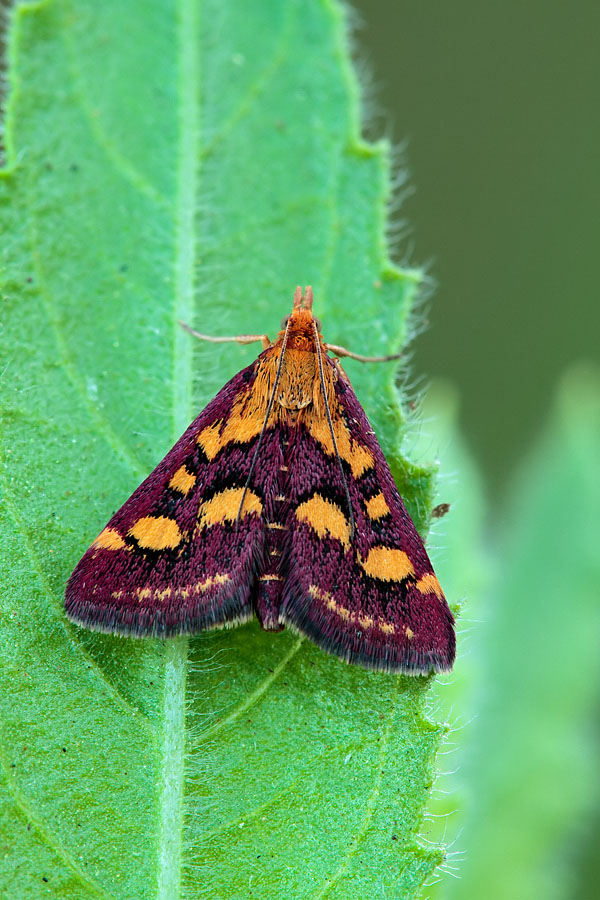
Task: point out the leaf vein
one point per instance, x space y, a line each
100 421
252 698
254 91
121 164
27 811
90 662
368 814
253 812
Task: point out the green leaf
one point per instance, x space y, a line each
190 161
530 760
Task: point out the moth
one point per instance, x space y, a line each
277 502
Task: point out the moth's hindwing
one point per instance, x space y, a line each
370 597
172 559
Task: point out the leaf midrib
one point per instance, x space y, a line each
186 239
173 746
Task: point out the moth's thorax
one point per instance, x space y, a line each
298 379
299 382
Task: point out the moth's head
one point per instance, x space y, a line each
299 323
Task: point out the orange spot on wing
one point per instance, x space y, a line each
244 422
429 584
109 539
359 458
211 581
326 518
156 532
387 563
210 440
226 505
177 593
409 633
350 617
246 417
328 601
377 507
182 481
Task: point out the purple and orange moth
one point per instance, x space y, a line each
277 502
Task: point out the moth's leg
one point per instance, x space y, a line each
341 351
239 339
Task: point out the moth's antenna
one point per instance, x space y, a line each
264 426
337 455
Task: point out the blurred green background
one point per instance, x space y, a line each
497 104
495 109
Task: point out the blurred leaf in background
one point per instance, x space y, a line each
465 567
523 795
530 758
